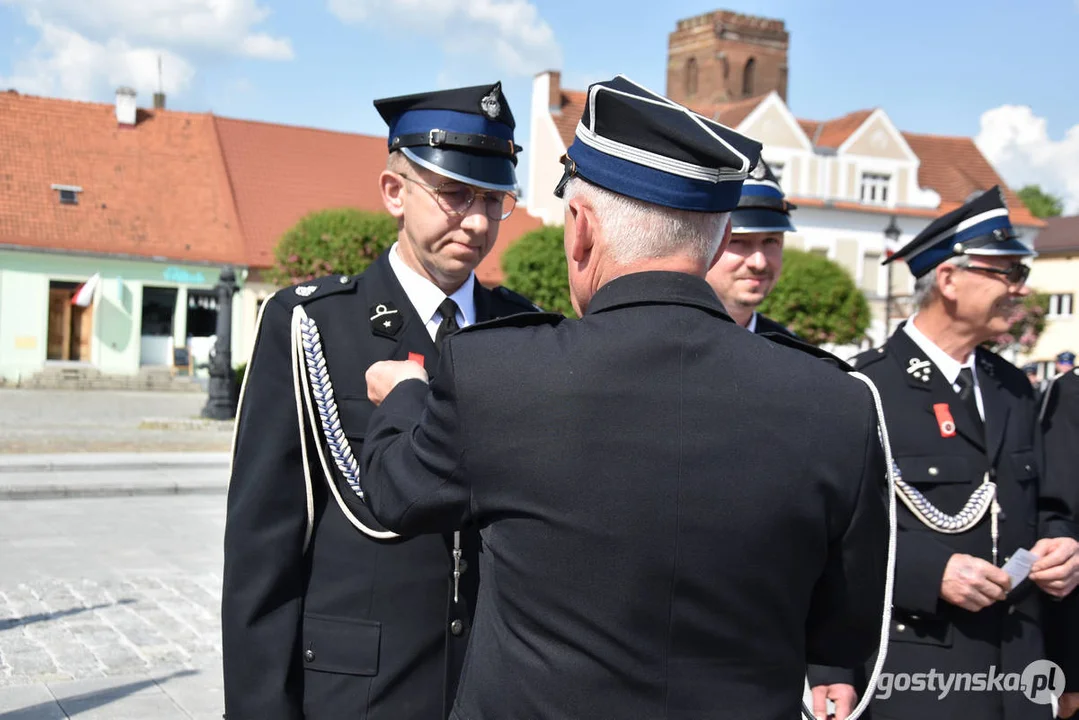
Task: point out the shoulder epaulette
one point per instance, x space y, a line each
516 298
521 320
869 357
791 341
308 292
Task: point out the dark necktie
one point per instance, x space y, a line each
448 310
967 396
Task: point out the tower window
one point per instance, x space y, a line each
747 77
691 76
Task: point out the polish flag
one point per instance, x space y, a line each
85 294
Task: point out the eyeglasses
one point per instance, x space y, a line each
1016 274
456 198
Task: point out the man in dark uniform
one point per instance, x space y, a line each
974 492
1060 423
749 268
665 535
325 613
1036 383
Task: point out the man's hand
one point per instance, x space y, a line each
1057 569
843 695
383 376
1069 703
973 583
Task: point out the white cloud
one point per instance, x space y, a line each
66 64
85 46
1017 143
508 33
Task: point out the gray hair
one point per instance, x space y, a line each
925 287
638 230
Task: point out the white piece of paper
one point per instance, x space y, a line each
1018 566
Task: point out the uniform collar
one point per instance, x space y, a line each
425 296
657 287
752 326
948 366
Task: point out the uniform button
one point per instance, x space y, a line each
1027 467
934 472
915 618
1011 609
309 655
457 627
900 627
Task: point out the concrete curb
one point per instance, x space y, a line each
56 492
98 462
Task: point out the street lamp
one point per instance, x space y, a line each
221 404
891 234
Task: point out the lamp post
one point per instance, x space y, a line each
891 235
221 404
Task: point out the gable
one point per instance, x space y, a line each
771 127
876 139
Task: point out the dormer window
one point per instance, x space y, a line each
69 194
875 188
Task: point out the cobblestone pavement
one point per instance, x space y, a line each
66 421
109 608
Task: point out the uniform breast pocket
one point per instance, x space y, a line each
921 630
934 469
354 414
1024 466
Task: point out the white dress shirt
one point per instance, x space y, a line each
425 296
948 366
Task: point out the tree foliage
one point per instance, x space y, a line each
1040 203
535 266
818 299
1028 323
326 242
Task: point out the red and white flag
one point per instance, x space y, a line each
84 295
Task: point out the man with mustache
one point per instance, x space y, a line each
748 269
962 423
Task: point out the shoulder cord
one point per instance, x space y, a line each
889 578
317 391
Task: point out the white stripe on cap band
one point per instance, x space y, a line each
968 223
654 161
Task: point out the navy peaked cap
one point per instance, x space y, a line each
1067 357
464 134
980 227
637 143
762 206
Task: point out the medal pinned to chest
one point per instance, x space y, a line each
945 421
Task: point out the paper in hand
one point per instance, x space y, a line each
1018 566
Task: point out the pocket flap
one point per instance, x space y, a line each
922 469
921 630
340 645
1024 465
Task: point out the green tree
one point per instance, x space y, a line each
325 242
1040 203
818 299
535 266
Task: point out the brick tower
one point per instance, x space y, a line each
723 56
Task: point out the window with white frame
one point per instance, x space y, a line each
1061 304
875 188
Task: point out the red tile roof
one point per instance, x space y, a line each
730 114
156 190
1061 235
279 173
955 168
571 110
833 133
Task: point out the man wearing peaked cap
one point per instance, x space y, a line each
975 490
748 269
326 614
649 552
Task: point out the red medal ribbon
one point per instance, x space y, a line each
416 358
944 419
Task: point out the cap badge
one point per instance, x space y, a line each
490 105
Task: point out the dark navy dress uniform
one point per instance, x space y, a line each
326 615
1060 424
947 454
665 536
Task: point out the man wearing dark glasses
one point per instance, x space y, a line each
975 493
325 614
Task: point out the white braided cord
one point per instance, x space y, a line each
325 402
932 517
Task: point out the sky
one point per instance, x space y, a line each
994 70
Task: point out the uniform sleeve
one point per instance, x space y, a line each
1058 500
843 627
261 604
413 456
919 570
